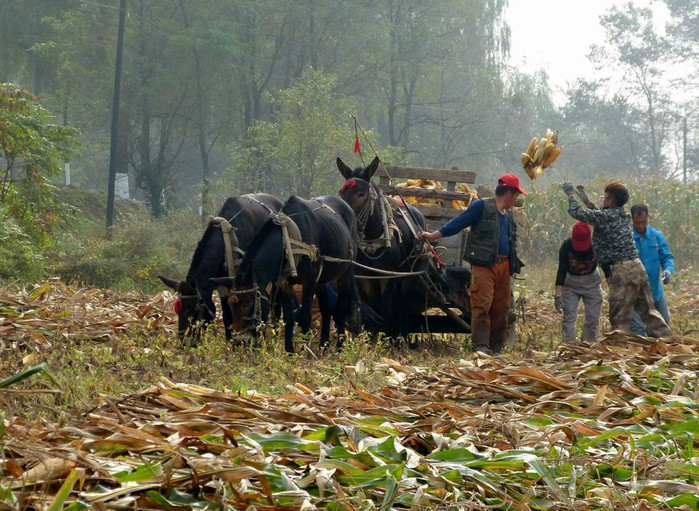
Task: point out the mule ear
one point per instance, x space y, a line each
371 169
175 285
223 281
344 169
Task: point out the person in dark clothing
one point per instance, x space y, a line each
491 248
614 245
578 278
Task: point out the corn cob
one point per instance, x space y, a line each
532 146
548 161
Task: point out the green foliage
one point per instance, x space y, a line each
296 151
21 258
76 250
28 137
141 249
42 369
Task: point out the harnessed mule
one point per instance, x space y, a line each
387 240
219 251
311 243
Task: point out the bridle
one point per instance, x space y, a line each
376 196
200 308
255 318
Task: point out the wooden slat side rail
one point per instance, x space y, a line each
414 191
438 213
402 173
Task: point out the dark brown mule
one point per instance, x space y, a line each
397 301
326 226
195 306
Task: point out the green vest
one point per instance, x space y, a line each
482 241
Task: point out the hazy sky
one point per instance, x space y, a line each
558 38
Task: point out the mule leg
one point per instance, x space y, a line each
304 314
276 304
227 318
287 300
346 304
387 289
354 312
325 313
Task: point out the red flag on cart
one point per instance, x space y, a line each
357 148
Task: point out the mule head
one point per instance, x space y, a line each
249 306
357 187
193 312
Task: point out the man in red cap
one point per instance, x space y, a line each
491 248
578 278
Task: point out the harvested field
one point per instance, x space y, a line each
608 425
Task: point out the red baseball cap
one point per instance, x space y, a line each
581 236
512 181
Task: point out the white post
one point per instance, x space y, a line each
66 168
121 185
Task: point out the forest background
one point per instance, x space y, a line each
223 97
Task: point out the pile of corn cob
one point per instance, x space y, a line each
541 154
429 184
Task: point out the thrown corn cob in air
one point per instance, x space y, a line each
541 154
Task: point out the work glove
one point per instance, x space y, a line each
558 303
582 193
568 188
667 277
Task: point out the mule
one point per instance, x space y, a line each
327 229
195 306
398 302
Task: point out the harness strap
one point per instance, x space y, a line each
384 218
230 240
388 223
253 199
294 247
367 209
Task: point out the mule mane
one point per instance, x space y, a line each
358 172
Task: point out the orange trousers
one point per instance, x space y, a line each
491 298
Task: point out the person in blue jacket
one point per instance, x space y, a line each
656 258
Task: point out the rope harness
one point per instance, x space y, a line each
230 240
386 209
294 247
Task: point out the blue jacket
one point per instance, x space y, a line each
655 256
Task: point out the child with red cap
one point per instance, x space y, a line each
578 278
491 248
